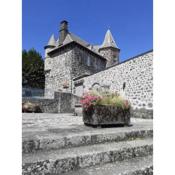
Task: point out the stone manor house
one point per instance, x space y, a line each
70 57
75 66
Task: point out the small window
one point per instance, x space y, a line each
124 85
88 61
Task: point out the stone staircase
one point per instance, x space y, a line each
72 159
100 151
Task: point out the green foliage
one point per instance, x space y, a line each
32 69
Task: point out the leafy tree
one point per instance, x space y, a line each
32 69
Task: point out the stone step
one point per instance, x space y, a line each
70 159
134 166
55 141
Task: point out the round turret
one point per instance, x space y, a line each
109 50
51 44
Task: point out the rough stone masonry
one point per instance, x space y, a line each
133 78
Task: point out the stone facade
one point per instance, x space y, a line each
132 78
68 63
85 62
58 72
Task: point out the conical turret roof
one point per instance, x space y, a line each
52 41
109 40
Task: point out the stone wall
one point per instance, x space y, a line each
133 78
46 105
61 103
142 113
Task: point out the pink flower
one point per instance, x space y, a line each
88 100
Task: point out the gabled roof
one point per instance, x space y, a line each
109 40
52 41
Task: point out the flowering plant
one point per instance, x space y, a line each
93 98
89 99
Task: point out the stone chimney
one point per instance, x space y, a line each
63 31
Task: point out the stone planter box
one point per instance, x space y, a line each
106 115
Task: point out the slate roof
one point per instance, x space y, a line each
52 41
70 37
109 40
78 40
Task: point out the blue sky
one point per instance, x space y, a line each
130 21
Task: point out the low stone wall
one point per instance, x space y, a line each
142 113
46 105
66 102
62 103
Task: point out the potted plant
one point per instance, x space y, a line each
107 108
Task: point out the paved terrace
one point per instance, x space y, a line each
43 125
